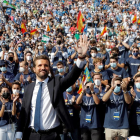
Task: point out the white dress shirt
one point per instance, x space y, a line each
48 117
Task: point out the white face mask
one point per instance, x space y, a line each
93 54
21 69
97 82
29 58
15 91
39 47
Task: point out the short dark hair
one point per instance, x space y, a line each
115 49
93 48
5 86
41 57
137 75
60 63
16 83
112 57
118 79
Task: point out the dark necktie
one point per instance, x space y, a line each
37 108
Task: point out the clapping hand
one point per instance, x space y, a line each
82 46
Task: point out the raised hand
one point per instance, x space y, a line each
82 46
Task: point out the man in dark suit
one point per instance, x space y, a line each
43 109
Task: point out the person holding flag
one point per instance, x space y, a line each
89 118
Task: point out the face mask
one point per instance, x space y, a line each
135 54
98 49
127 70
138 69
10 58
29 58
93 54
138 85
113 65
5 95
19 48
117 89
15 91
60 70
88 91
3 69
59 42
69 89
39 47
97 82
21 69
108 50
100 67
74 62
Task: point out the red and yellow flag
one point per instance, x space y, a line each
139 22
80 21
23 28
134 19
104 31
48 28
32 32
80 87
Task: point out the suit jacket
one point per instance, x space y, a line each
56 86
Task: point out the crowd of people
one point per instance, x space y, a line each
108 105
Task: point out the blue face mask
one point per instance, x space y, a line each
69 89
138 69
117 89
19 48
98 49
3 69
60 70
127 70
138 85
88 91
108 50
100 67
113 65
135 54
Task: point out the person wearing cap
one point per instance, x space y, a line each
89 118
117 99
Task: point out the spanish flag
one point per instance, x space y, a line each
32 32
23 28
134 19
80 87
104 31
80 21
139 22
48 28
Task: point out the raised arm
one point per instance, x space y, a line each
70 79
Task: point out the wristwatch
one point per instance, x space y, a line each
125 92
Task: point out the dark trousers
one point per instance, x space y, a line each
51 136
91 134
134 130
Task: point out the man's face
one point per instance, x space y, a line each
137 80
60 66
99 63
42 68
113 61
117 82
97 77
22 64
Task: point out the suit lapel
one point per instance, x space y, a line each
29 94
50 88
